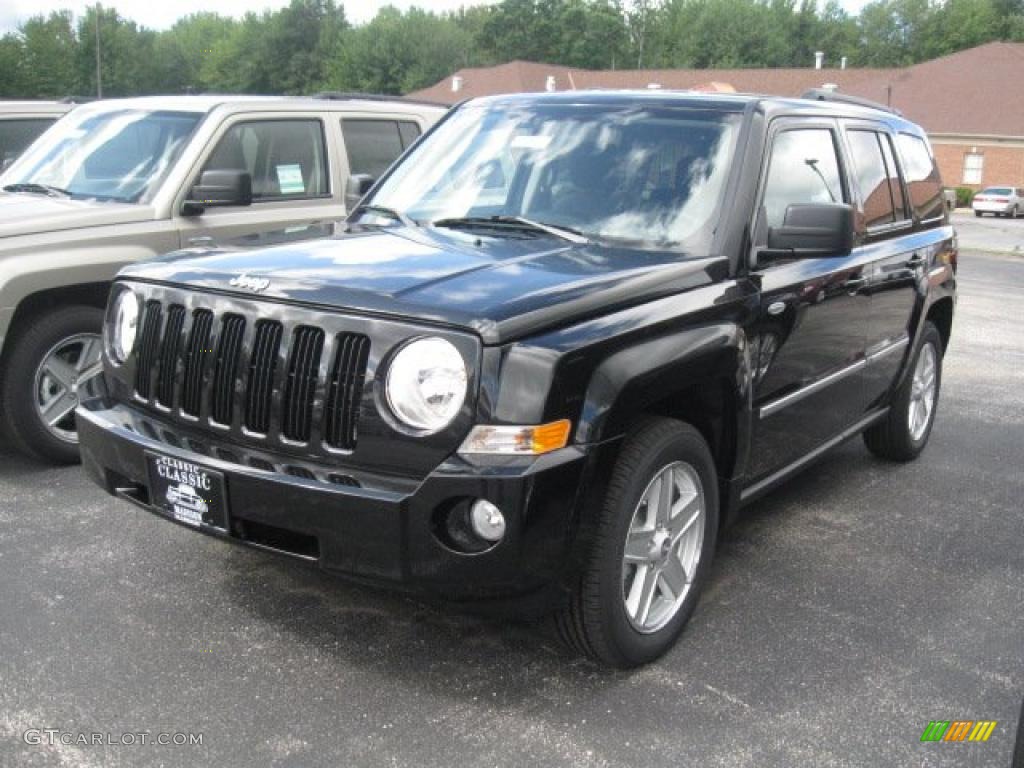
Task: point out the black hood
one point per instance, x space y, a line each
501 288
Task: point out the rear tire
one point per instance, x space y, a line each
31 394
904 432
611 616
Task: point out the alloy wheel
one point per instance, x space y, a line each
64 368
663 547
922 392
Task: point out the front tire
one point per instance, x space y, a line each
652 548
47 361
904 432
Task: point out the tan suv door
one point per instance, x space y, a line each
292 159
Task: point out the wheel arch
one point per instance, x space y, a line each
940 314
93 294
700 376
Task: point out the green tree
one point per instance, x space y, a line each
48 52
183 49
128 63
399 52
286 51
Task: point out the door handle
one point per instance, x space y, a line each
916 262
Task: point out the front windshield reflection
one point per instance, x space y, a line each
638 175
117 155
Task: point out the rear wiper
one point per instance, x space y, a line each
37 189
515 222
384 210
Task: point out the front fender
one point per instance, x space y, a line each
25 272
630 381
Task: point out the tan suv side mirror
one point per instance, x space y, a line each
219 189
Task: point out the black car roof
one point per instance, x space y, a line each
771 106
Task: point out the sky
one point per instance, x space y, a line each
161 15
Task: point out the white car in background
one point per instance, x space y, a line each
1001 201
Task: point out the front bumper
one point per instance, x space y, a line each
377 529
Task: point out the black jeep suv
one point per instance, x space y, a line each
559 344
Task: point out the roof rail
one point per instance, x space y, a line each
823 94
344 96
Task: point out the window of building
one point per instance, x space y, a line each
974 164
804 168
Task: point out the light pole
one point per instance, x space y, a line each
99 73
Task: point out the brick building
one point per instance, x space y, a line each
971 103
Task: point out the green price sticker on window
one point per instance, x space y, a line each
289 179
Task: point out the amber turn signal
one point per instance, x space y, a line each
515 440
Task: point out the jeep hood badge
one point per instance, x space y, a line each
250 283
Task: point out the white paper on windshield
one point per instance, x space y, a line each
289 179
531 142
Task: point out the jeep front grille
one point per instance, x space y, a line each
222 396
347 375
262 363
196 355
303 369
197 364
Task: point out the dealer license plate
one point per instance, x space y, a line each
188 492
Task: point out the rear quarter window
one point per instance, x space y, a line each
922 176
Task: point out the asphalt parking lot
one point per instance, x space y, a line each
989 233
845 612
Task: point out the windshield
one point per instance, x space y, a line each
651 176
117 155
997 191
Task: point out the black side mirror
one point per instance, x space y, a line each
218 189
812 230
358 185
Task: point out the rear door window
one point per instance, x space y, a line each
373 145
872 178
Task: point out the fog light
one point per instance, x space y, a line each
487 521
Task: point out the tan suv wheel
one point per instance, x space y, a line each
45 368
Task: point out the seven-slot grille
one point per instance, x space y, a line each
202 364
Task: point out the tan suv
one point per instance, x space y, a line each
123 180
22 121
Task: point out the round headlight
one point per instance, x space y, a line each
124 325
426 384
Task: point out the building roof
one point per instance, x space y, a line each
963 93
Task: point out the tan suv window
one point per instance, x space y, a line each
286 158
373 145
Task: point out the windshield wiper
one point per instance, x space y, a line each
515 222
384 210
37 189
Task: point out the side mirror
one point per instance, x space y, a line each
358 185
812 230
218 189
